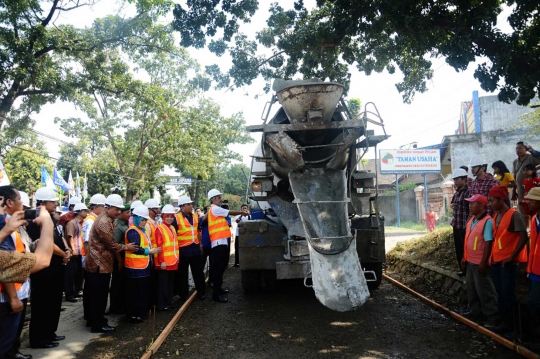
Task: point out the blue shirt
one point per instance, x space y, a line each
488 229
205 234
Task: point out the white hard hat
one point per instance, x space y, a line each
152 203
25 199
141 211
97 199
184 200
477 160
46 194
58 209
459 172
136 204
79 207
168 209
213 192
114 200
74 200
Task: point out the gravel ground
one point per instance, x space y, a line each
291 323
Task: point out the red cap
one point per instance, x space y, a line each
478 198
498 192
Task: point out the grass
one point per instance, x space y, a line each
435 248
413 227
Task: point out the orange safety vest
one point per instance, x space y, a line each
218 228
534 261
504 242
151 229
19 247
474 241
170 246
186 233
137 261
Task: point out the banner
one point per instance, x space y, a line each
71 184
410 161
4 180
46 179
59 181
85 188
78 187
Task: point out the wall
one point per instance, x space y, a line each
407 205
496 115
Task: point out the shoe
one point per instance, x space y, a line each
460 273
45 345
79 294
182 298
174 306
470 315
235 265
71 300
201 297
219 298
103 329
163 309
490 325
135 320
63 309
501 329
58 338
224 291
20 355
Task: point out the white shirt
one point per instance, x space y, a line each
87 226
242 219
219 212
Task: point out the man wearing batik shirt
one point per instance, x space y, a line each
460 209
483 182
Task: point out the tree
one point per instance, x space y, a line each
373 36
39 58
355 106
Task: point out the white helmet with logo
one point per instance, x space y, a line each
74 200
97 199
459 172
114 200
184 200
25 199
46 194
136 204
79 207
213 192
477 160
141 211
152 203
168 209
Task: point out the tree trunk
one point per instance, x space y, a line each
129 191
197 190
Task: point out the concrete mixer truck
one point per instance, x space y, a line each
318 209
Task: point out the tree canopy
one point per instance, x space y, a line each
373 35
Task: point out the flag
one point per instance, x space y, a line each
85 188
78 187
46 179
59 181
71 184
4 180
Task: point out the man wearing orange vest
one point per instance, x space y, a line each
166 261
219 231
481 293
533 266
13 296
187 233
510 237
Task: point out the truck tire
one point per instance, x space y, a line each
250 281
268 280
377 267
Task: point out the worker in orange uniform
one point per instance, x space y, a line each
219 231
166 261
481 293
533 266
510 237
190 249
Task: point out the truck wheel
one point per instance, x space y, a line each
268 280
377 267
250 281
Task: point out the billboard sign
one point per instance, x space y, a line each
420 161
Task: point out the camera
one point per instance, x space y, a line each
31 214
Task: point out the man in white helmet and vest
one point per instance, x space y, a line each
460 214
483 181
99 263
219 231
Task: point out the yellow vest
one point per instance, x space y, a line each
186 233
218 228
137 261
169 248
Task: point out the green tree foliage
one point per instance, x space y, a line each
354 105
40 58
373 36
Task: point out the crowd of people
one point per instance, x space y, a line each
492 239
138 255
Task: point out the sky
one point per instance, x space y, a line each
431 115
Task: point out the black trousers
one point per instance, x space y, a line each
97 286
207 256
236 250
220 255
47 287
459 241
74 276
17 343
165 288
85 296
137 300
118 293
182 275
228 251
